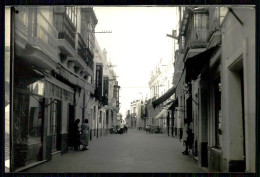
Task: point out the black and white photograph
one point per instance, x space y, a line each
130 89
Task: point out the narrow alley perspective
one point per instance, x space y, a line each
130 89
134 151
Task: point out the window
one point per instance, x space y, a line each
72 14
105 91
200 20
200 26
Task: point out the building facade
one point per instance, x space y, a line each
53 66
213 64
137 114
160 84
106 94
56 80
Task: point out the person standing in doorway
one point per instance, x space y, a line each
84 134
76 135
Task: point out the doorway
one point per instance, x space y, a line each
236 92
71 123
55 125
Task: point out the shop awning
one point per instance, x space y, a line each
195 64
174 104
160 113
164 97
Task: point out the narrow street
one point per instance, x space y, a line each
135 151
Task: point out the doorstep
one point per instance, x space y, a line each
36 163
29 166
190 154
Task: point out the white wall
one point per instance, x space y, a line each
233 48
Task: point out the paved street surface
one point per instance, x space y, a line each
132 152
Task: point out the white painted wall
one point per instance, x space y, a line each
233 47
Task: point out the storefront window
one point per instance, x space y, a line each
27 132
36 113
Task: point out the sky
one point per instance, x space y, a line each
137 43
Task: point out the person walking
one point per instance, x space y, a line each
149 129
84 134
146 128
76 135
121 127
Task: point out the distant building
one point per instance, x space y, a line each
106 93
161 95
137 114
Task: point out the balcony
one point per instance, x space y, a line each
41 48
198 38
83 52
66 35
215 21
193 30
82 48
21 26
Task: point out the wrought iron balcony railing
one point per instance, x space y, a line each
82 48
84 51
196 37
67 31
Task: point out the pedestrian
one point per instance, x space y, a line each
149 129
125 128
185 137
121 127
146 128
84 134
76 135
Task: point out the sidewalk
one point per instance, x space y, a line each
135 151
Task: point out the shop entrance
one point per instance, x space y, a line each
71 123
